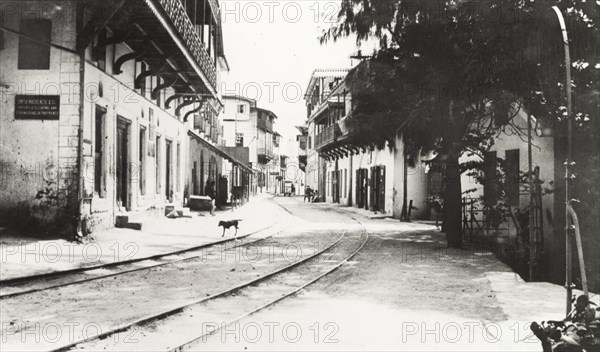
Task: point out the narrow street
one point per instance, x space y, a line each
315 175
212 302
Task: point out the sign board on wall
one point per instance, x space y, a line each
37 107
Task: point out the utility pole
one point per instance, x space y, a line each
568 163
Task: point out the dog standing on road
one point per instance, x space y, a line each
228 224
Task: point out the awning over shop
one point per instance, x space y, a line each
219 152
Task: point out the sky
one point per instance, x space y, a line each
272 48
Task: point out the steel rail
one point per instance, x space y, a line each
19 293
18 280
179 309
267 305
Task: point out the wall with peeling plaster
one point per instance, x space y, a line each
38 157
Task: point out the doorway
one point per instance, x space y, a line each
169 168
335 186
122 177
362 177
378 188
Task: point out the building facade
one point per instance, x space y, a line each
374 179
245 125
109 95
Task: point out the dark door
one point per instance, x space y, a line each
381 188
373 186
362 179
357 186
169 167
365 188
334 187
195 188
122 172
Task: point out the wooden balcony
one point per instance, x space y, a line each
329 135
264 153
265 124
180 21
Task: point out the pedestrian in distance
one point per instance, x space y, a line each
307 194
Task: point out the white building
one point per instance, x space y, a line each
100 107
353 175
248 126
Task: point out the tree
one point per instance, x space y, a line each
449 74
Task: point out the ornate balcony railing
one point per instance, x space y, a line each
182 23
265 124
329 135
267 152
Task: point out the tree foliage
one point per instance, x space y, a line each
449 74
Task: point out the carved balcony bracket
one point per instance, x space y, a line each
171 98
150 72
118 37
165 84
200 106
126 57
99 18
88 31
344 151
186 101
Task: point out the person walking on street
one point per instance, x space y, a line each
307 193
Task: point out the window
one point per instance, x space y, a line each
241 108
512 176
139 68
99 182
158 95
35 55
239 139
141 161
309 142
177 167
99 50
157 159
345 182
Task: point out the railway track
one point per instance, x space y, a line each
301 273
36 283
156 332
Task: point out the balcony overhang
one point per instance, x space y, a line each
160 34
182 36
318 115
219 151
264 158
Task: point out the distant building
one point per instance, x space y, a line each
302 148
245 125
354 175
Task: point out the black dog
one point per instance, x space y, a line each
227 224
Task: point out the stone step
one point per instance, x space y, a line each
122 221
